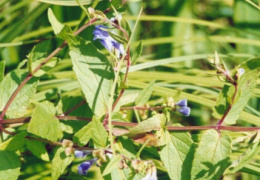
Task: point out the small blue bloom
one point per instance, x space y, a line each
107 41
185 111
84 167
81 154
182 103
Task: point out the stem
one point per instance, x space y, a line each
75 107
110 107
129 124
229 108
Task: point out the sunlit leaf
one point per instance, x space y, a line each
176 155
44 123
7 87
211 157
83 136
99 134
94 74
60 162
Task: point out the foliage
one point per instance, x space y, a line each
98 90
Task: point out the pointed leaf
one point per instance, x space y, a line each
94 74
10 165
56 25
59 163
113 164
99 134
211 157
145 94
20 103
44 123
83 136
137 53
175 155
38 149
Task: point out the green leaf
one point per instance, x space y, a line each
62 31
59 163
145 94
94 74
14 143
44 123
154 123
245 87
2 70
38 149
247 156
118 38
137 53
211 157
113 164
67 2
9 166
45 68
20 103
83 136
99 133
56 25
175 155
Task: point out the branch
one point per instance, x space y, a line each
129 124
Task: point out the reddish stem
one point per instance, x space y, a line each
75 107
129 124
229 108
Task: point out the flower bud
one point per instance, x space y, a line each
185 111
67 143
182 103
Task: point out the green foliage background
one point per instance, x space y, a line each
178 36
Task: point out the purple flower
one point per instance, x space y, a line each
185 111
81 154
182 103
84 167
107 41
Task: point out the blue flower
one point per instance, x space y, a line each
185 111
107 41
81 154
182 103
84 167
